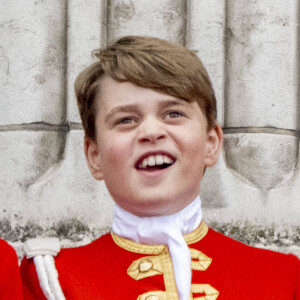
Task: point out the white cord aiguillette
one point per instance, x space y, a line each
42 251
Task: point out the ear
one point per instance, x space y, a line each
93 158
213 145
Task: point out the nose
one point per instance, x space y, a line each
151 130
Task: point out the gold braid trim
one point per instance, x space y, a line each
200 261
146 266
190 238
210 292
155 295
196 235
162 264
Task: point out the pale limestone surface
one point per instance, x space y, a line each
26 156
236 199
205 34
40 185
32 57
85 34
262 64
249 49
263 160
69 191
164 19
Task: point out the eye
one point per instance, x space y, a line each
174 114
126 120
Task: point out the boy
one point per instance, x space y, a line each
149 114
10 280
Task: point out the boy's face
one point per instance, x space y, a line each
150 148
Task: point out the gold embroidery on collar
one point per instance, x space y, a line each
210 292
161 263
196 235
190 238
200 261
131 246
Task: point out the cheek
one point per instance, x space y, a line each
194 143
115 152
194 150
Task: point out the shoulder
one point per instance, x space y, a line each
73 255
261 264
68 262
103 244
8 256
250 272
10 281
227 246
6 249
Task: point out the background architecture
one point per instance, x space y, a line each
251 50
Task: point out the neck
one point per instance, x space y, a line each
168 230
188 219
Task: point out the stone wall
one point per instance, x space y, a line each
251 51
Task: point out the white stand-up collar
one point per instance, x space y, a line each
167 230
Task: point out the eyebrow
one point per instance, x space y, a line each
168 103
121 108
134 107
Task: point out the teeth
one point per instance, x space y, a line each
155 160
151 161
144 164
167 160
159 160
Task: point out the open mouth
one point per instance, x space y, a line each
155 162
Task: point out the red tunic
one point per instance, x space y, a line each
115 268
10 280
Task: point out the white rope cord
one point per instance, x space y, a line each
42 250
48 277
53 277
42 276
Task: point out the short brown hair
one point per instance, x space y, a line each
147 62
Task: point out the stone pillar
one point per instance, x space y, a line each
256 195
251 51
163 19
262 92
205 35
33 99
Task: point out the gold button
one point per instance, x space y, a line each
145 266
152 297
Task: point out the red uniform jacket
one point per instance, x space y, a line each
116 268
10 280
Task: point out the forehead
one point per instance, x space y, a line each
113 93
116 98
